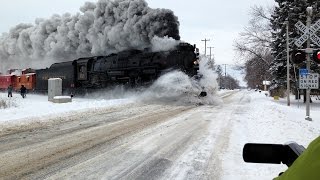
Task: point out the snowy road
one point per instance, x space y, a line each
126 142
119 139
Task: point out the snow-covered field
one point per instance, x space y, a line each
249 116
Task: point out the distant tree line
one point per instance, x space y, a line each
226 81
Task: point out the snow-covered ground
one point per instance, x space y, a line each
253 118
38 106
265 120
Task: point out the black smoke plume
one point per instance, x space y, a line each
101 28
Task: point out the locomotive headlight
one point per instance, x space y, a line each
196 62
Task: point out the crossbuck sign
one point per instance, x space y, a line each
308 32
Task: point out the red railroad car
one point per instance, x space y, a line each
6 80
28 80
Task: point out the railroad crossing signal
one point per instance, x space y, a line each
308 33
316 56
298 56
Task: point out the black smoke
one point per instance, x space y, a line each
101 28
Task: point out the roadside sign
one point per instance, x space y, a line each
301 40
315 39
299 25
266 82
313 29
308 32
309 81
303 72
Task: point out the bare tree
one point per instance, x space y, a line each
254 45
256 71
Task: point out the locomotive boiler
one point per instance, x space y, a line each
131 67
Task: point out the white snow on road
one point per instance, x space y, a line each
256 119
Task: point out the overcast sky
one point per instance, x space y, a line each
219 21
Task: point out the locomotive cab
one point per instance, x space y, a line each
88 72
82 69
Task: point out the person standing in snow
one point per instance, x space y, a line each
23 91
10 89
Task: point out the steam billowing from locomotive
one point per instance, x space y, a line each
101 28
178 88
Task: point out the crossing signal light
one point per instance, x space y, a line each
316 56
298 56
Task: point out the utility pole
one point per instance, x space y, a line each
288 65
210 51
309 14
205 45
225 75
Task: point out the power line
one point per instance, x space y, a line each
205 45
210 51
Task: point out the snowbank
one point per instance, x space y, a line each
39 106
265 120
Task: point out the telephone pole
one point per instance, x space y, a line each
225 76
288 64
309 14
210 51
205 45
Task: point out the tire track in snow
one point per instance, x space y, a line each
142 142
203 159
30 159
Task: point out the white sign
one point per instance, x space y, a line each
314 28
308 33
309 81
301 40
266 82
299 25
315 39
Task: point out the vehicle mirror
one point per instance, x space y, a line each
263 153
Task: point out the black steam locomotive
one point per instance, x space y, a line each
132 67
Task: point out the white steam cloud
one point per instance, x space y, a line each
101 28
177 87
163 44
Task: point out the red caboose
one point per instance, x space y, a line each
28 80
6 80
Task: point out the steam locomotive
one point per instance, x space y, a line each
132 67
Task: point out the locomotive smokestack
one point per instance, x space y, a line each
105 27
